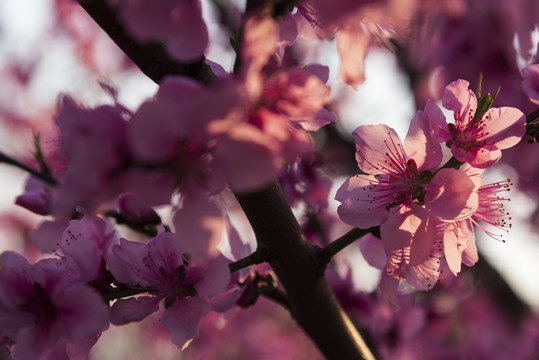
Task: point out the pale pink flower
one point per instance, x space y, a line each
400 176
478 138
163 269
401 194
38 308
459 245
136 211
530 84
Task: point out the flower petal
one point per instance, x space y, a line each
504 127
450 195
376 145
421 142
125 311
357 208
183 318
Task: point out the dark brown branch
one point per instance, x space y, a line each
312 303
274 294
339 244
152 58
258 257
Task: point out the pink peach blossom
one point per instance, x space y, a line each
170 275
38 309
478 138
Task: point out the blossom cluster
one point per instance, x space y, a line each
175 150
166 169
425 209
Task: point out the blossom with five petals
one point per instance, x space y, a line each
478 138
163 269
401 193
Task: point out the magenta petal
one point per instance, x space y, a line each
213 276
183 318
132 309
450 195
173 21
199 226
48 234
121 261
189 38
37 201
356 207
82 312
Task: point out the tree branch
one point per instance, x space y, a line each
258 257
44 176
333 248
312 302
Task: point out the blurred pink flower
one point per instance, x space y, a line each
178 22
530 84
94 144
36 197
38 309
162 268
84 248
300 94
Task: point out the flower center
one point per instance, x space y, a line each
468 130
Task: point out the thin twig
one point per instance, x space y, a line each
258 257
47 178
122 220
339 244
275 294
